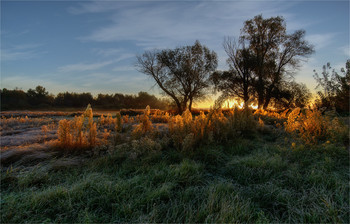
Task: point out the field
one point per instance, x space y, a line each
149 166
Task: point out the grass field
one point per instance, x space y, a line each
263 175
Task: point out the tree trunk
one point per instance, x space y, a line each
190 105
266 103
260 101
179 108
260 91
245 94
178 105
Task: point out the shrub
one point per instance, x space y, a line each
160 116
176 130
64 133
81 132
311 126
242 122
292 123
145 125
119 122
271 117
187 133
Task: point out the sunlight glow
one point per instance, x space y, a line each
232 103
253 106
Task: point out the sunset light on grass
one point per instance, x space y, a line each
174 111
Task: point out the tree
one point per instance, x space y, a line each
292 94
73 99
275 52
181 73
334 88
237 81
39 96
13 99
343 92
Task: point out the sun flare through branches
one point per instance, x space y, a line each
232 103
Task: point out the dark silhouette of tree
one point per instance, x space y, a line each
105 100
11 99
237 81
182 73
276 54
334 88
120 101
291 95
343 93
39 96
73 99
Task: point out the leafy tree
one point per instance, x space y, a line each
73 99
105 100
343 93
144 99
39 96
13 99
276 53
292 94
181 73
334 87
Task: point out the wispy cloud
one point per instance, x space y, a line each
123 68
9 55
170 24
345 50
321 40
107 52
10 34
124 56
93 7
167 24
16 80
80 67
21 52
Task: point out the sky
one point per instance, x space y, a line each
91 46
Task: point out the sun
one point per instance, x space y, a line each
232 103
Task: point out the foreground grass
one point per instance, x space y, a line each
244 181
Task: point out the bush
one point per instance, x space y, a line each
188 133
145 125
312 127
81 132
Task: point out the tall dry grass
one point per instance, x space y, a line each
187 132
313 127
81 132
145 124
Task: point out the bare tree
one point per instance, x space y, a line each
237 81
182 73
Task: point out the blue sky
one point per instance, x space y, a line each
88 46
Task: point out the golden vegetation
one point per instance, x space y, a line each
81 132
187 131
14 122
312 127
145 125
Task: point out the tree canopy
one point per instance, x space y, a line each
262 60
334 87
40 98
181 73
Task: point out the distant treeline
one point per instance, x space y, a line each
39 98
